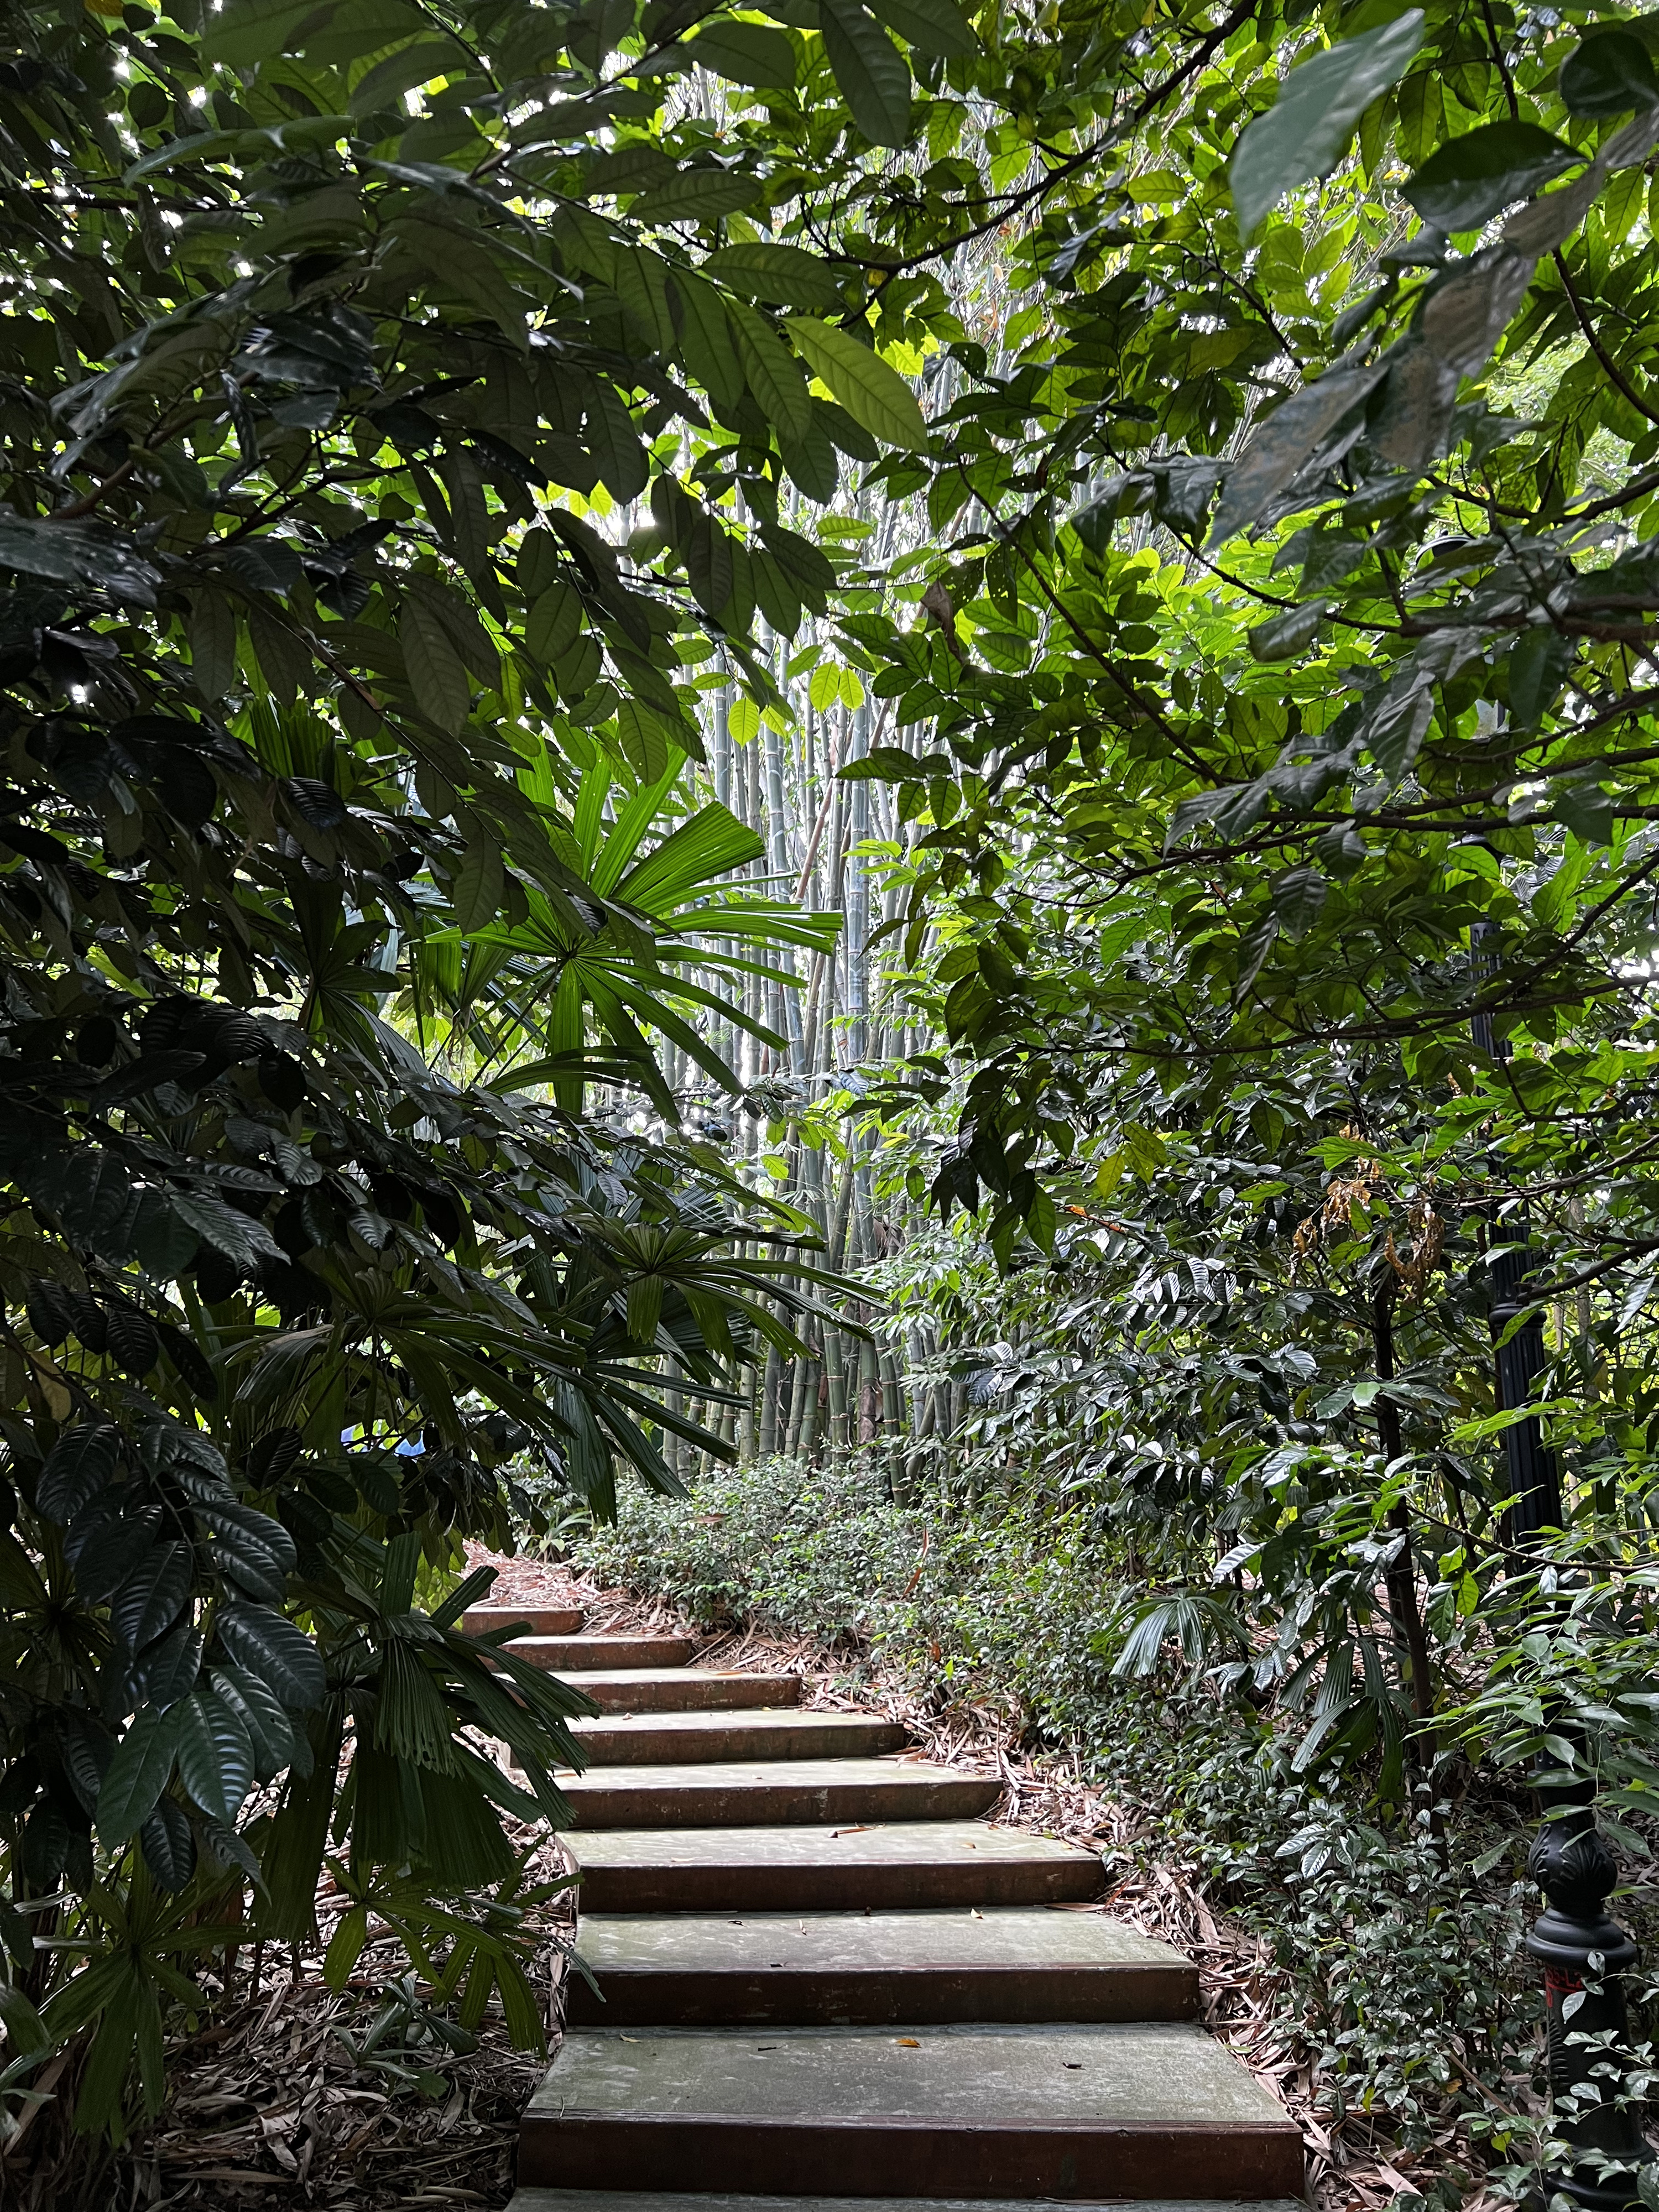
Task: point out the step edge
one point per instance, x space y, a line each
908 2124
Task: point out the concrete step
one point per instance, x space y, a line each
687 1690
827 1791
586 1654
1077 2112
862 1969
680 1739
607 2200
826 1869
537 1619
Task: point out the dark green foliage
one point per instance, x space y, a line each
318 670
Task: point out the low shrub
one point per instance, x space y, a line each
1395 1937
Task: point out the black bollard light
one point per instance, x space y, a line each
1584 1953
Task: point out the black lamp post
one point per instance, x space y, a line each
1584 1953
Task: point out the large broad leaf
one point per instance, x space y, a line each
782 274
435 667
1304 133
746 53
147 1604
275 1650
874 394
167 1844
235 1233
77 1467
137 1774
1608 75
869 70
216 1757
934 27
275 1738
248 30
253 1550
1466 182
1294 435
80 554
773 373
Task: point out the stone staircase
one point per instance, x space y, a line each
823 1978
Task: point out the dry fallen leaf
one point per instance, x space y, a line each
906 2042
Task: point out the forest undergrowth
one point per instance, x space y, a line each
1371 1967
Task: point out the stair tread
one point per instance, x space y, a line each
712 1792
915 1842
1085 2077
649 1690
821 1867
911 1941
541 1619
581 1653
781 1718
644 2200
758 1733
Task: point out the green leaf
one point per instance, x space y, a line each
137 1773
1538 669
163 1242
389 79
345 1946
250 1549
237 1235
435 667
746 53
554 622
210 629
284 1660
1470 179
1287 441
479 883
78 1466
773 376
934 27
873 76
643 739
1609 73
215 1758
246 32
1285 635
1305 132
782 274
1298 896
27 2034
706 339
614 441
875 396
824 688
697 195
153 1595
